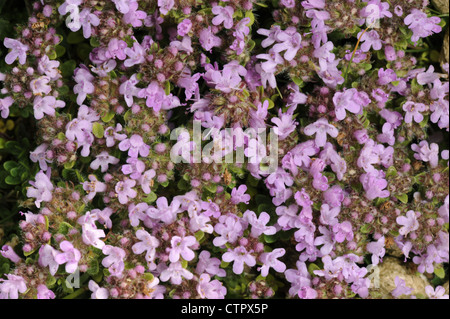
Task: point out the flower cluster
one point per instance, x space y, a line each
360 170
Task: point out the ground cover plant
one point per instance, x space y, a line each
224 149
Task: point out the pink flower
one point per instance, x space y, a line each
103 160
97 292
223 15
18 50
321 128
409 223
70 256
370 39
148 244
41 190
259 223
47 255
175 273
40 85
5 103
180 246
124 190
114 260
210 289
135 146
239 256
11 287
413 110
46 105
426 153
270 260
44 293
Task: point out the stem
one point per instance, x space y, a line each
76 293
353 53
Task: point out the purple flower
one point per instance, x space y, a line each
223 15
148 244
8 252
70 256
165 6
88 19
238 195
48 67
374 11
426 153
90 234
124 190
114 260
210 289
321 128
46 105
370 39
208 40
103 216
39 155
328 216
134 16
41 190
400 288
5 103
259 224
230 228
388 134
327 240
47 255
112 135
180 246
343 231
40 85
184 27
136 55
413 110
269 260
290 42
437 293
347 100
18 50
93 187
284 124
123 6
298 278
239 256
421 25
444 210
377 250
44 293
103 160
10 288
175 273
97 292
135 146
288 216
146 180
374 184
210 265
84 84
409 223
165 213
134 168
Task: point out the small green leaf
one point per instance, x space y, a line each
391 171
108 117
75 37
149 276
199 235
98 130
402 197
440 272
64 228
150 198
270 238
68 67
313 267
365 229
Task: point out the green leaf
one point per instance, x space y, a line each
270 238
211 188
94 42
402 197
149 276
64 228
68 67
313 267
150 198
60 50
365 229
249 14
391 171
199 235
75 37
98 130
440 272
11 180
93 267
8 165
108 117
